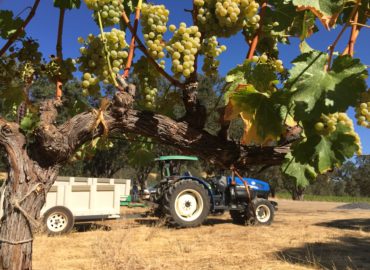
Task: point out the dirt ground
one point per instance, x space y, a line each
304 235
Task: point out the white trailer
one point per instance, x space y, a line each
73 199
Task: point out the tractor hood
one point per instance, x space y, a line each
255 184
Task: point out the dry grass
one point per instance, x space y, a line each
305 235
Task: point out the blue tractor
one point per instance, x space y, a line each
186 201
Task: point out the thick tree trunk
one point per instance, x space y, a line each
24 195
21 216
298 194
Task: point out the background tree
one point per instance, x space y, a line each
300 111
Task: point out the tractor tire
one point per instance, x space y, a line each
264 212
238 217
58 220
186 204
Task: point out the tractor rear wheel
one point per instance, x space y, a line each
186 203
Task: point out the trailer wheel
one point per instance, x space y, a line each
186 204
264 212
58 220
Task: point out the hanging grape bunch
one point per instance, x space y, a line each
183 47
211 50
149 94
147 81
329 124
154 21
363 111
277 64
57 70
110 10
27 71
93 60
226 17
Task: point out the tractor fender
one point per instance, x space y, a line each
206 185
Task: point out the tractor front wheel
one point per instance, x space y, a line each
186 203
264 211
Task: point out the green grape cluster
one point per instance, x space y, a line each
211 49
93 59
149 95
226 17
154 25
110 10
60 70
329 123
363 114
276 63
183 47
27 72
147 77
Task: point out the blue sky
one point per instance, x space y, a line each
43 27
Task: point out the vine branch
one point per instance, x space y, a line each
253 45
334 44
59 50
353 36
20 29
132 44
194 14
142 48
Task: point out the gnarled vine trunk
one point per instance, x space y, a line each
24 194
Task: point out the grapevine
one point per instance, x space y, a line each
154 26
110 10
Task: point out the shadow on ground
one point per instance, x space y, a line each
359 224
91 226
344 253
157 222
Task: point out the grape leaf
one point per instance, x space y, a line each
315 91
302 172
251 90
263 110
250 135
326 10
290 22
261 76
326 152
11 95
67 4
8 25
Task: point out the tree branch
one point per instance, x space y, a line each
59 50
253 45
142 48
20 29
